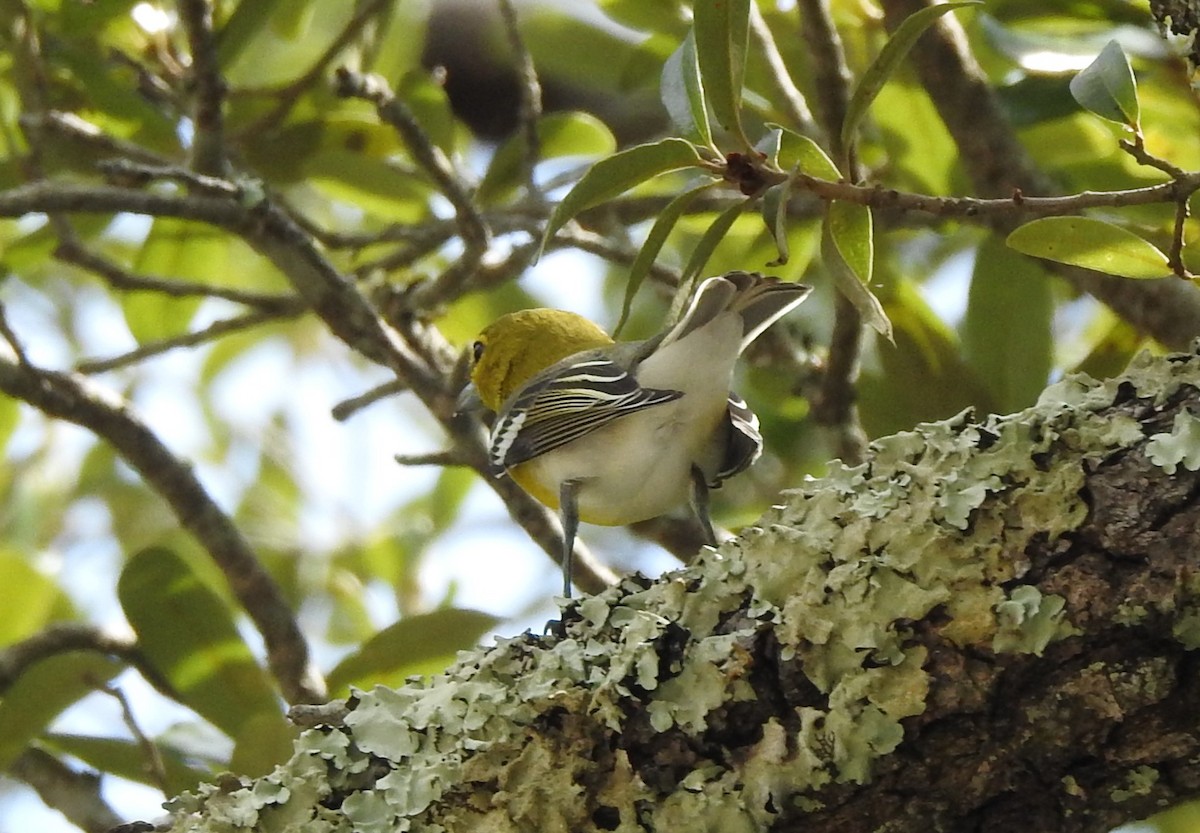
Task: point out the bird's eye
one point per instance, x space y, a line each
477 350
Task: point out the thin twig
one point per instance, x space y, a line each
72 126
529 108
210 333
834 406
446 457
471 226
10 336
118 278
289 95
155 768
208 88
344 410
789 95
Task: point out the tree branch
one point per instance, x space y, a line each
76 399
987 626
74 794
997 163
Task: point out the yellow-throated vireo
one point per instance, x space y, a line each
617 432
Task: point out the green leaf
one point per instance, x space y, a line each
263 742
667 218
189 635
797 152
242 27
774 214
559 134
852 231
703 250
1107 88
617 174
922 375
42 691
886 62
849 283
420 644
1092 244
126 759
1006 332
27 597
682 91
721 28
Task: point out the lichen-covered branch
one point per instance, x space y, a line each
987 625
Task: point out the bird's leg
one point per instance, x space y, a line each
700 504
569 509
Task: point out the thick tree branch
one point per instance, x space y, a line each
988 626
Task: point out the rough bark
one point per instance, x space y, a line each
987 626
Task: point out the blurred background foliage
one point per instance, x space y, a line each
202 335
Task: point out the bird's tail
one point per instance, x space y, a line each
760 301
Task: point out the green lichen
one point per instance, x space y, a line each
939 520
1138 782
1181 446
1029 621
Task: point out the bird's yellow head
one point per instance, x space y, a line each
515 347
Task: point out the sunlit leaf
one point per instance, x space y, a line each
663 225
414 645
798 152
189 635
618 173
721 28
559 135
1007 328
127 759
885 63
263 742
774 214
246 22
27 598
703 250
1092 244
922 374
682 91
850 284
852 231
42 691
1107 88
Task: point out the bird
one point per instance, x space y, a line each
618 432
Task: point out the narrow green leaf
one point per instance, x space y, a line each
414 645
617 174
1107 88
1006 331
682 91
42 691
559 134
667 218
712 236
886 62
852 230
774 214
721 28
851 285
264 742
189 635
1092 244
